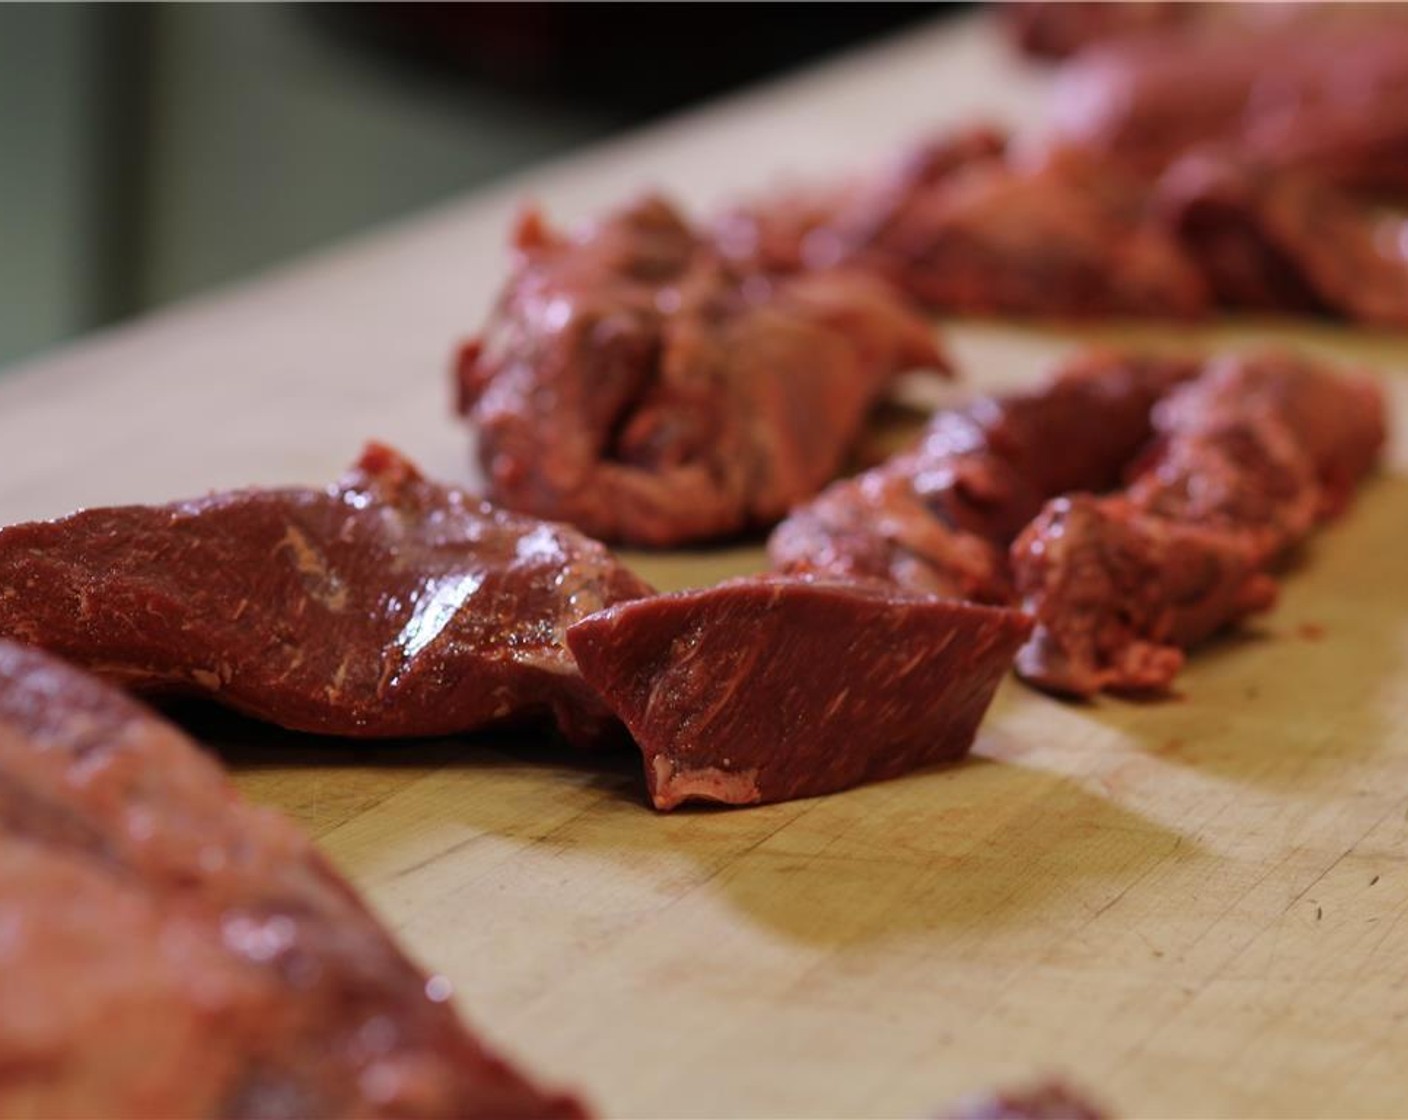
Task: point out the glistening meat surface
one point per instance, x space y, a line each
767 689
634 382
169 950
383 606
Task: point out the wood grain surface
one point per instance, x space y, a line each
1192 908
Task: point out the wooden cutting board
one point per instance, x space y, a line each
1192 908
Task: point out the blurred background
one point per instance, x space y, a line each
151 151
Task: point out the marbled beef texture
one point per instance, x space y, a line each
1248 458
383 606
635 383
766 689
1324 96
939 518
168 950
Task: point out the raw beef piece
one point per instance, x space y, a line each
383 606
635 383
1324 95
1265 445
766 689
1283 241
169 950
967 223
1338 420
1247 458
939 518
1060 234
1118 594
1049 1100
877 526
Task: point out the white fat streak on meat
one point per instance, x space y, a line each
436 604
323 585
710 783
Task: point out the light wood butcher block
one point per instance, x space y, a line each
1190 908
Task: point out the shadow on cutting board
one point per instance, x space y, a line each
958 851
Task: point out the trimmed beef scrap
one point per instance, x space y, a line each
939 518
1048 1100
383 606
766 689
634 382
1323 95
967 224
1248 458
1118 594
1284 241
1062 235
170 950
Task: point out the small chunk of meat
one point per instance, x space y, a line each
1118 594
939 518
878 526
768 689
170 950
968 223
1047 1100
635 383
1282 241
1068 237
383 606
1337 418
1249 457
1057 234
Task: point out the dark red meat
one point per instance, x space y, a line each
1064 236
877 526
1118 594
965 223
1336 420
767 689
1283 241
169 950
1248 458
939 518
633 382
383 606
1050 1100
1317 93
